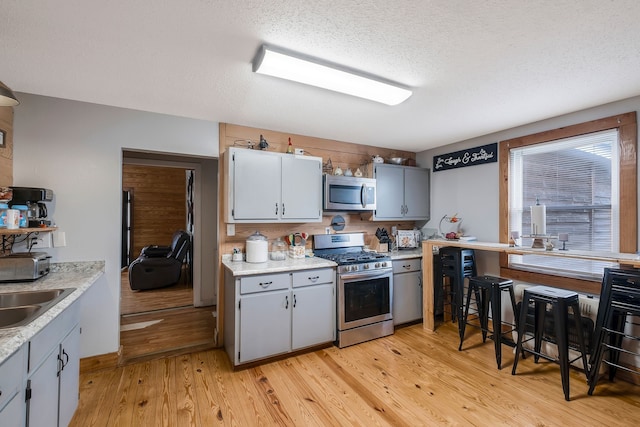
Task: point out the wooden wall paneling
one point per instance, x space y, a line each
6 152
159 204
343 154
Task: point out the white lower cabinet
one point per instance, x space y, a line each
265 325
12 390
278 313
407 290
53 372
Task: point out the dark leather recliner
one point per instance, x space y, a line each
160 266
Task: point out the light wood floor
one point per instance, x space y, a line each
178 295
162 321
411 378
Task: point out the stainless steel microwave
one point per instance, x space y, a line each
348 193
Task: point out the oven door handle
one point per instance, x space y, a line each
362 276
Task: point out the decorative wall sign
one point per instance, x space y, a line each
470 157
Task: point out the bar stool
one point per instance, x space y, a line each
619 297
488 292
560 301
456 264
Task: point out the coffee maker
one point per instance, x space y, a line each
34 199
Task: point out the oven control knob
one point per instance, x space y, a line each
384 264
366 266
354 268
377 265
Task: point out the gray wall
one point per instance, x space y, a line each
473 192
75 148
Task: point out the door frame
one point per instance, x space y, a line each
197 212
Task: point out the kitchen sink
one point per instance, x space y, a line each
20 308
15 299
17 316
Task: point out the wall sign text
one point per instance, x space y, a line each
470 157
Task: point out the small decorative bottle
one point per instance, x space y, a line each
290 147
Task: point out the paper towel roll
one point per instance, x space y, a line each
538 220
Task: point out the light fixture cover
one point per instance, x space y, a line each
7 98
303 69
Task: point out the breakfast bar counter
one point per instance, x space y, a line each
431 245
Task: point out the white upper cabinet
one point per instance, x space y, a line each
402 192
272 187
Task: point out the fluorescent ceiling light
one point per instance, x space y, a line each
299 68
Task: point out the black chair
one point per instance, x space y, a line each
456 264
160 266
487 291
619 299
560 301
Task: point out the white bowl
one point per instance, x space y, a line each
397 160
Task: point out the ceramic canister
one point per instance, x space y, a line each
257 248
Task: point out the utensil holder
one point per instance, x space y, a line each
379 247
296 251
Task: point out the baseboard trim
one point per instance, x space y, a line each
99 362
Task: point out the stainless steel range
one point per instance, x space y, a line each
365 287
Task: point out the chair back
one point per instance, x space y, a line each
180 245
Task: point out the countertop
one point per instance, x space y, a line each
241 268
78 275
406 254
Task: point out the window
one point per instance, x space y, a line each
575 179
585 175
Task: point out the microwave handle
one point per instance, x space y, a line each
363 195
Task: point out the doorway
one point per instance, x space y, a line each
164 194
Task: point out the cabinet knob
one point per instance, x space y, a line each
314 278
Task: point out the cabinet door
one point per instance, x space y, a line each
407 297
416 193
265 325
389 194
43 383
69 377
12 414
256 185
301 189
314 316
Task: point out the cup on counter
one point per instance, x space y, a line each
12 219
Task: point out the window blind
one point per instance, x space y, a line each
577 180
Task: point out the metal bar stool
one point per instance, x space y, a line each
456 264
488 292
560 301
619 297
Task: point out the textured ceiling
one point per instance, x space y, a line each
476 66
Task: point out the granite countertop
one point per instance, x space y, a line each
78 275
406 253
242 268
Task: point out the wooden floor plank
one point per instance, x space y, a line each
414 377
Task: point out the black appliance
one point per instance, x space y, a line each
365 287
34 199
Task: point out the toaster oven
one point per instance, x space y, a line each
22 267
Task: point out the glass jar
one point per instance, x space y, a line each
3 215
278 250
257 248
